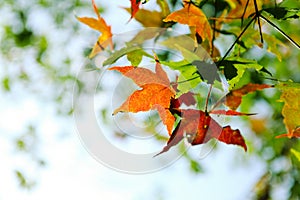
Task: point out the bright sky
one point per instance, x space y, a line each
72 173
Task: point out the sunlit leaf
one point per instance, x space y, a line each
194 17
120 53
234 98
148 18
6 84
296 154
135 57
243 8
291 109
234 68
151 18
155 92
188 77
274 45
100 25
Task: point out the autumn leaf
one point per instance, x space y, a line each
100 25
155 92
135 6
199 128
194 17
151 18
291 109
154 18
234 98
243 8
186 98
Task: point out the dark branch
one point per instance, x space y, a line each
281 31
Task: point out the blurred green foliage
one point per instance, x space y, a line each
37 59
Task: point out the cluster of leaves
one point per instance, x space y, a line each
197 125
250 26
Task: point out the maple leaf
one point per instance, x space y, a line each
194 17
199 128
234 98
155 93
207 71
186 98
100 25
154 18
135 6
290 111
243 8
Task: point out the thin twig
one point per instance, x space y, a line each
257 13
214 31
237 39
208 96
223 18
243 15
281 31
187 80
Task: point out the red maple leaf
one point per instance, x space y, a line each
135 6
199 128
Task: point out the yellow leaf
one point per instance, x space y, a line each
291 111
152 18
148 18
296 154
194 17
243 8
100 25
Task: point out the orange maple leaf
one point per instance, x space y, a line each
194 17
234 98
199 128
243 8
100 25
155 93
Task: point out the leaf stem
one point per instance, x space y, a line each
257 14
214 30
244 12
208 95
237 39
281 31
187 80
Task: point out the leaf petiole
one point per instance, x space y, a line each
281 31
237 39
